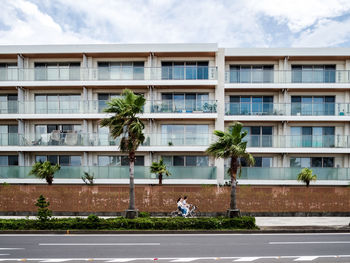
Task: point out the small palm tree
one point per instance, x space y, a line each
127 125
160 169
230 144
306 176
44 170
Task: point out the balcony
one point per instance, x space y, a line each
57 138
298 141
189 106
113 172
287 76
105 74
288 109
291 173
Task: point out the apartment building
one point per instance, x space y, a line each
294 103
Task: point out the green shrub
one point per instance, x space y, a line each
44 214
121 223
144 214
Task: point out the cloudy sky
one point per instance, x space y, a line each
231 23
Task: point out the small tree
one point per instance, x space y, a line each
44 171
44 214
160 169
88 179
306 176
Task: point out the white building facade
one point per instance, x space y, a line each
294 103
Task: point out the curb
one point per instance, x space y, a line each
263 230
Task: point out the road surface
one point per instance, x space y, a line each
196 248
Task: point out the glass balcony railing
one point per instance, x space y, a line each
287 76
288 109
298 141
105 73
57 138
291 173
10 139
97 106
113 172
187 106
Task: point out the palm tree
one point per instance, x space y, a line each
230 144
127 125
160 169
44 170
306 176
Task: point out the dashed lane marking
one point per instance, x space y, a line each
246 259
185 259
306 258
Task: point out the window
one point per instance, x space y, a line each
185 134
313 73
122 160
57 71
259 162
251 105
8 71
312 136
301 162
57 103
259 136
121 70
189 160
58 134
8 135
103 98
8 160
9 103
185 70
251 73
184 102
63 160
313 105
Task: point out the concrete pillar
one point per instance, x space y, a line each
21 128
220 98
20 66
86 135
346 161
284 160
21 99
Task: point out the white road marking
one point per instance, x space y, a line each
56 260
99 244
309 242
185 259
306 258
11 248
4 254
247 259
122 260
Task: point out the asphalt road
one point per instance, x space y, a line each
177 248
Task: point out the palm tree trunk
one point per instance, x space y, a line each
132 184
160 178
233 166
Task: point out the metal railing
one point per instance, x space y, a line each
112 73
113 172
287 76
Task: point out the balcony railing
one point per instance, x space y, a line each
187 106
102 73
57 138
298 141
288 109
287 76
291 173
113 172
97 106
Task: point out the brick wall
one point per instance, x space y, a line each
114 198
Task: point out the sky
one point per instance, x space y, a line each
230 23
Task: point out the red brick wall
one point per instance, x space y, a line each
114 198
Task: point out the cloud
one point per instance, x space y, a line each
231 23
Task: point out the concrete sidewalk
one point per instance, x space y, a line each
302 221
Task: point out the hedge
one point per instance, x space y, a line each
120 223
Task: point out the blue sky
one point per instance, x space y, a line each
230 23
